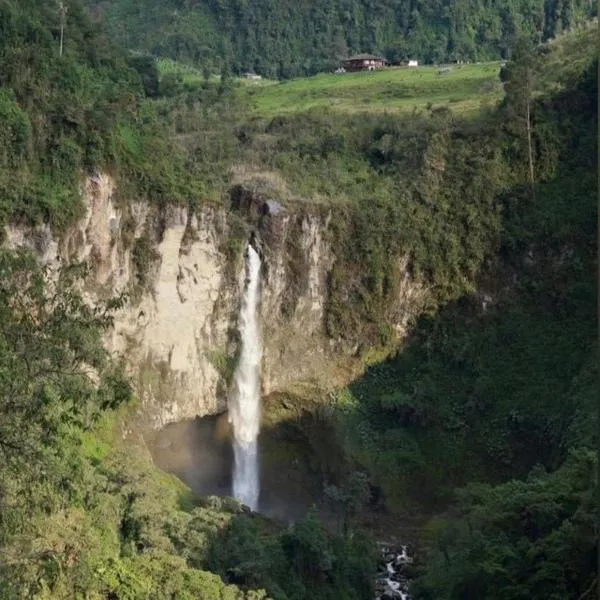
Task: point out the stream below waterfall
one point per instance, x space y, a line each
200 452
394 576
280 471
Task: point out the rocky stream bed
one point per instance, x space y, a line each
394 572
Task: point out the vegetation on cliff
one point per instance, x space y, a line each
66 113
495 394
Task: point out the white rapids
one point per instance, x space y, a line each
392 581
244 401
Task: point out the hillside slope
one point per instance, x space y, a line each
464 88
489 410
285 38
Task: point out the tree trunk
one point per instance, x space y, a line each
63 19
530 146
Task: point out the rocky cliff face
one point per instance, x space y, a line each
177 332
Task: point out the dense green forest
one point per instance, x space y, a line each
491 408
79 111
285 38
485 416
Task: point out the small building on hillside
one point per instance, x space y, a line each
364 62
413 63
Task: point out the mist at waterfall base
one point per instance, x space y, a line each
201 453
220 455
244 401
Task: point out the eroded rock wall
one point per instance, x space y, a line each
177 331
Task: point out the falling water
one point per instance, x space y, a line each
244 403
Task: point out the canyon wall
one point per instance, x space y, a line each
183 274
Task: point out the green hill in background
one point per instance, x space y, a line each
286 38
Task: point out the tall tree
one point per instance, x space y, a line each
349 498
339 49
520 82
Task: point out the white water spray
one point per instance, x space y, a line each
244 402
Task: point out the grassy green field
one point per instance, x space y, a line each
463 88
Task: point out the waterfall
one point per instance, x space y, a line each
244 402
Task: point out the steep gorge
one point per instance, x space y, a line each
486 416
